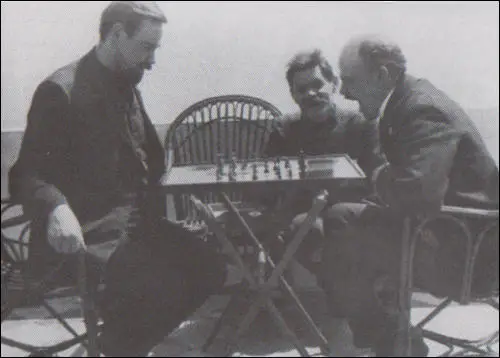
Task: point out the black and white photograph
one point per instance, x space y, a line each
250 178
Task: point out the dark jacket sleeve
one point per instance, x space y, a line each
43 153
426 149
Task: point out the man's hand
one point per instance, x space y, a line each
64 232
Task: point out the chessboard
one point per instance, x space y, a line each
280 171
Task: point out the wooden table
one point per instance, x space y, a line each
335 172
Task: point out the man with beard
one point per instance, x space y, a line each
435 157
88 156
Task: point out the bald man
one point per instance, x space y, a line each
435 156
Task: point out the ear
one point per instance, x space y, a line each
117 30
294 97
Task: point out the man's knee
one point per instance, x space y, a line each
298 221
339 216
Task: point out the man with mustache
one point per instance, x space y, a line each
88 157
321 127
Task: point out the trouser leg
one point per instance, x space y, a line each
309 252
360 269
154 284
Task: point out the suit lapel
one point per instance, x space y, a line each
389 119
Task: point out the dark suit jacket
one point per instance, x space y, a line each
435 152
77 149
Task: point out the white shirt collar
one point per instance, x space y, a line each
383 106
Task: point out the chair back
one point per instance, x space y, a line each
227 126
15 241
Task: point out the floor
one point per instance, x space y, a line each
263 339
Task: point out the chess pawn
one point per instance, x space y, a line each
233 162
276 164
287 163
266 166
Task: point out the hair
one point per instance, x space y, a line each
306 60
376 53
130 19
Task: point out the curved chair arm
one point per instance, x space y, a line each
456 216
469 212
413 230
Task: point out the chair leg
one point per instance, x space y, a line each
218 325
88 306
58 317
435 312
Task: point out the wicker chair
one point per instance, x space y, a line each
21 290
233 125
476 240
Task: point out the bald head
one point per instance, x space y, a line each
370 67
373 52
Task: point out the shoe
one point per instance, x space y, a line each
386 348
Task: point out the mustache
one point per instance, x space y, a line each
310 102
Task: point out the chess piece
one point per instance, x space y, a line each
290 173
302 164
254 172
233 165
276 164
220 165
266 166
277 169
287 163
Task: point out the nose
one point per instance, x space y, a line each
151 60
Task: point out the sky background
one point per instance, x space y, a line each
214 48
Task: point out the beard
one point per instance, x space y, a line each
133 75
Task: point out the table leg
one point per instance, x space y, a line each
280 322
218 325
245 323
278 270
